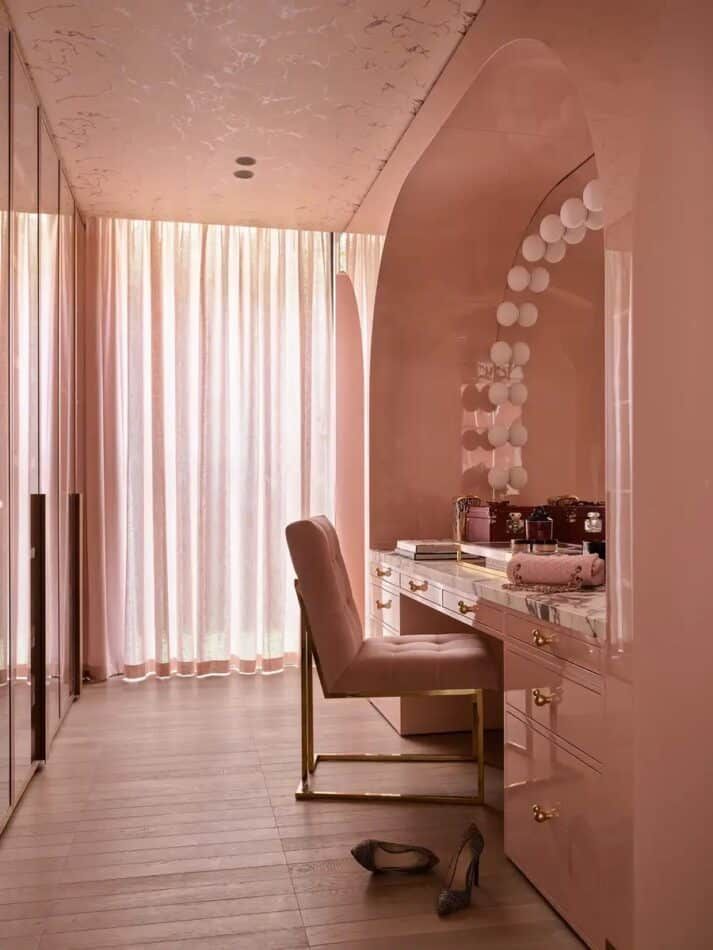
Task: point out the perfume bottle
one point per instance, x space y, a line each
539 525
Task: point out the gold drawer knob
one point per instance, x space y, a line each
542 815
383 572
542 699
414 586
466 608
383 605
540 639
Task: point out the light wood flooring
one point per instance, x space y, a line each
166 819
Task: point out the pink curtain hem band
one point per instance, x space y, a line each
205 667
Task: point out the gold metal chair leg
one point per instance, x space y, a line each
310 760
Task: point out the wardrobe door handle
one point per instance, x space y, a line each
541 815
542 699
540 639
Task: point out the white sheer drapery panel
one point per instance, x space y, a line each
360 257
209 428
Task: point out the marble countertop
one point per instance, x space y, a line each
583 611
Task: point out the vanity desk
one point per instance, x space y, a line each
553 710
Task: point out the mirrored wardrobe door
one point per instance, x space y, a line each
24 398
4 422
49 447
67 440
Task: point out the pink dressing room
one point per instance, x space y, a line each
355 475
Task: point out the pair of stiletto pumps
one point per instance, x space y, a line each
382 856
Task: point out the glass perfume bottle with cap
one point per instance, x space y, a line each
539 526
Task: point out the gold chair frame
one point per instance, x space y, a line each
310 759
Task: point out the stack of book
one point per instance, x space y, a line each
430 550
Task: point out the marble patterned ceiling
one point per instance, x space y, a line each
151 101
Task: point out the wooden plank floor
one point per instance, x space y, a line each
166 819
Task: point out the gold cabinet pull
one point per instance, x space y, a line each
383 605
466 608
541 815
542 699
540 639
383 572
414 586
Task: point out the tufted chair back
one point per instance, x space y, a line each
327 596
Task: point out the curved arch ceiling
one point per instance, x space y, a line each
151 102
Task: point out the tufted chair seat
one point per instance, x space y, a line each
398 665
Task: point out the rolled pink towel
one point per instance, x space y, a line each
557 569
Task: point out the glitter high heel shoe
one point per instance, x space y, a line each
380 856
451 899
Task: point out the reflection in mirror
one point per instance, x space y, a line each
23 403
67 428
4 434
48 415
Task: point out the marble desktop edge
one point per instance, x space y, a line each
582 611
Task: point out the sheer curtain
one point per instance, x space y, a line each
209 428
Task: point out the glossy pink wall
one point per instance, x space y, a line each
349 468
456 228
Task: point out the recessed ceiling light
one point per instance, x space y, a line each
244 173
246 160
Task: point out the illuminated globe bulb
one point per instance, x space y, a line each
528 314
551 228
501 353
575 235
573 213
593 195
518 394
555 252
539 280
507 313
533 248
518 477
520 353
497 436
518 278
497 478
517 435
595 220
498 393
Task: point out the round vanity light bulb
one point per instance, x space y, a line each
520 353
528 314
501 353
498 393
497 479
533 248
518 477
575 235
573 213
551 228
518 394
539 280
518 278
517 435
595 220
555 252
593 195
507 313
497 436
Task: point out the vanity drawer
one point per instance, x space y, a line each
425 590
384 574
384 606
541 690
551 640
473 611
559 852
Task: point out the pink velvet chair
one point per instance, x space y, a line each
349 665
